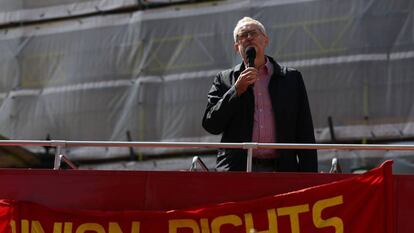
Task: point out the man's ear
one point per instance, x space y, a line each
236 47
266 40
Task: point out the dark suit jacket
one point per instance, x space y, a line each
232 116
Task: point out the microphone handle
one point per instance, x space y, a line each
250 62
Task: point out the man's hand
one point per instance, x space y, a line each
246 78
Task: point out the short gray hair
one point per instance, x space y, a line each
247 20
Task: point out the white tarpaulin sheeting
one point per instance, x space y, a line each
16 11
149 72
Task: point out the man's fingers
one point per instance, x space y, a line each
252 79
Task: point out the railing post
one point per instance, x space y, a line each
197 160
249 159
249 147
60 147
56 164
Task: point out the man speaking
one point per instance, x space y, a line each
260 101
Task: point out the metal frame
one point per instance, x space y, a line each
61 146
197 161
58 161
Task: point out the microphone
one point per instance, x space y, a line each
251 55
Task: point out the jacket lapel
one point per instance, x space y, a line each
275 95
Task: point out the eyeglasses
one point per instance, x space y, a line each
244 35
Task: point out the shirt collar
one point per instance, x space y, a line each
270 64
269 67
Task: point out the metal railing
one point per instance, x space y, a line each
61 145
60 158
198 162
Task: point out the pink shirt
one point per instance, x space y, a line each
264 123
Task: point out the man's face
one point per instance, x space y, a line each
250 35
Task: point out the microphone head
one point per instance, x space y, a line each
250 55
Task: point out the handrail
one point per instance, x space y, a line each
249 146
253 145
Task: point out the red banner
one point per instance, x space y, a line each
360 204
